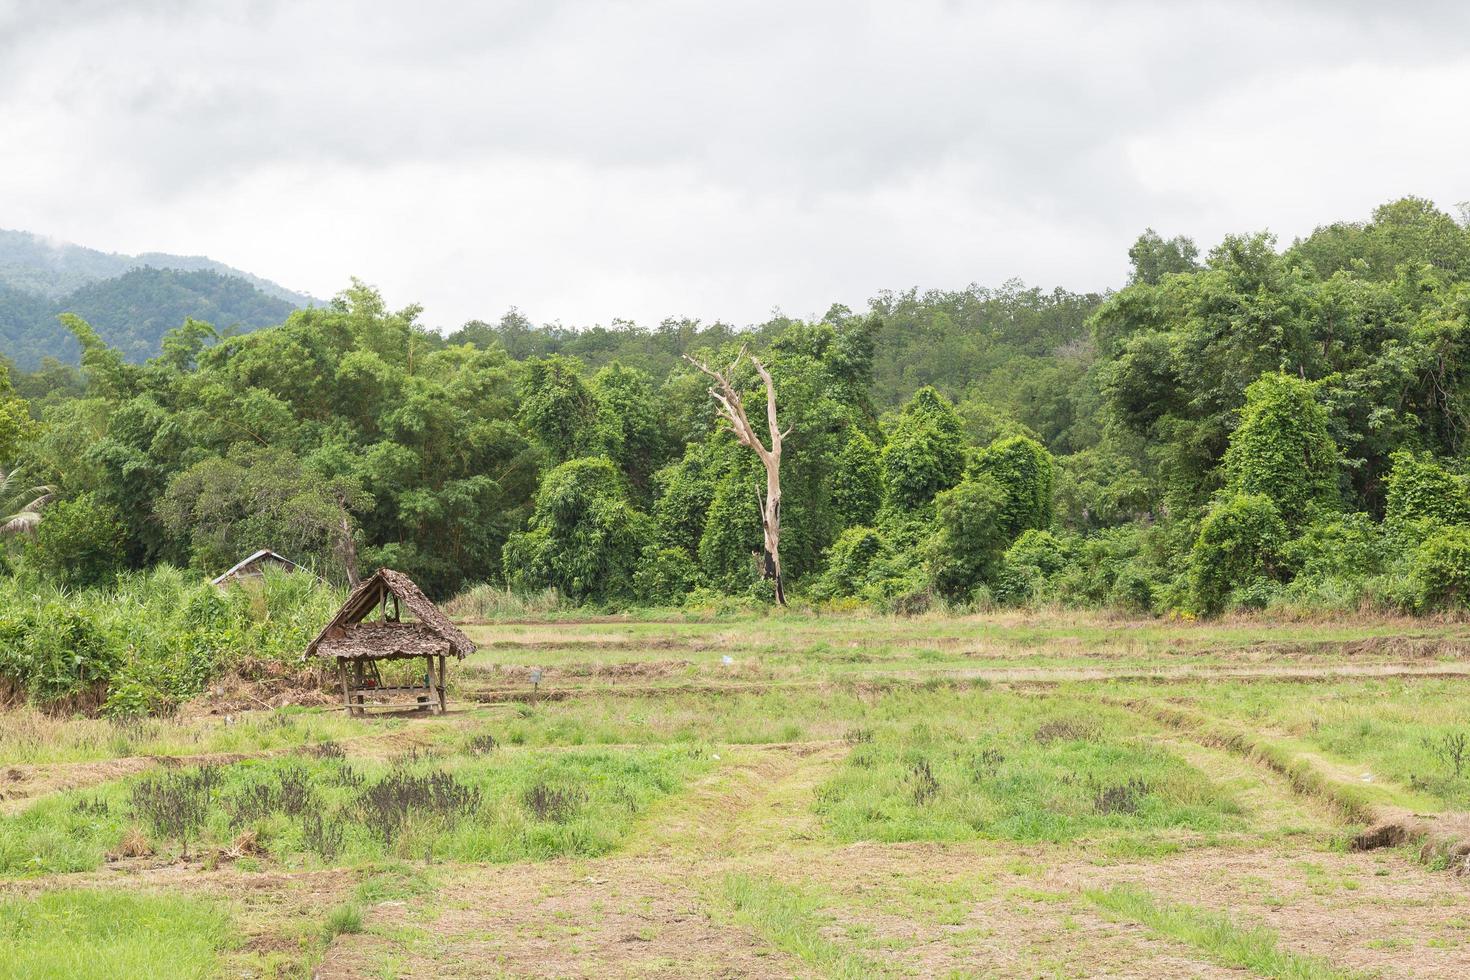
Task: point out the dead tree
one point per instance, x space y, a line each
732 410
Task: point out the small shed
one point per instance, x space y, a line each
374 625
255 566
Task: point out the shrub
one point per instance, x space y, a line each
157 638
80 544
851 560
51 651
1345 545
1238 543
1040 550
584 539
664 576
1420 489
1133 590
1441 575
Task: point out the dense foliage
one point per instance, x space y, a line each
1249 428
152 639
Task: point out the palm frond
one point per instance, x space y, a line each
23 523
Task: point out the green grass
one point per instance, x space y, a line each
82 933
794 920
992 765
1248 948
530 805
344 919
33 737
1386 728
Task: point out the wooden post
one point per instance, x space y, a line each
443 703
346 696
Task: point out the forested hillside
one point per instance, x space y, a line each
1248 427
132 313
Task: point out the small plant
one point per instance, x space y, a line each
254 801
1121 798
347 777
84 807
926 787
481 744
322 835
1452 750
1064 730
344 919
176 804
294 791
389 803
552 803
859 736
987 764
327 750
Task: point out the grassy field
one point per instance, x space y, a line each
780 796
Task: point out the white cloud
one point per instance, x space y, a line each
588 160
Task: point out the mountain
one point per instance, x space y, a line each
131 300
54 269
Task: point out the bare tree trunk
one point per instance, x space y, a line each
732 410
347 544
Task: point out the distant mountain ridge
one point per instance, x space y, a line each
35 264
132 300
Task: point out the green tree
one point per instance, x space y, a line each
80 544
1283 451
225 508
1025 471
1239 543
925 451
1155 257
635 422
560 411
584 538
971 534
857 482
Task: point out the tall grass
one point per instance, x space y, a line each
155 639
487 601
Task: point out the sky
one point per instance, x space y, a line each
585 161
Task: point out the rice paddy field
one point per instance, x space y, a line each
799 795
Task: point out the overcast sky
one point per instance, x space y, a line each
592 160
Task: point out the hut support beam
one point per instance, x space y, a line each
443 683
346 691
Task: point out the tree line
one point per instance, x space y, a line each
1250 427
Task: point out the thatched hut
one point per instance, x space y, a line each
255 566
357 643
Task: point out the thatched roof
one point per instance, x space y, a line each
348 636
255 563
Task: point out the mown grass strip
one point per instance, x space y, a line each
1251 948
85 933
792 920
1358 803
